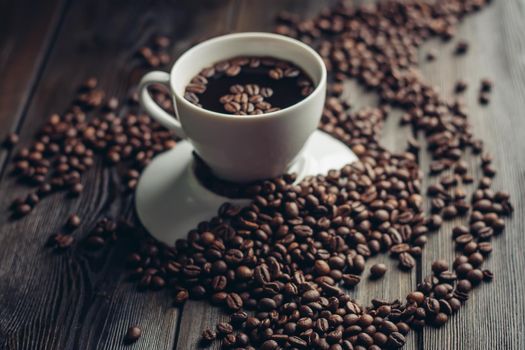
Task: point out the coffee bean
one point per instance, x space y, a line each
311 295
416 297
381 215
11 140
276 73
377 271
350 280
396 340
486 85
440 319
233 71
484 98
234 301
224 328
181 296
461 85
267 304
321 267
439 266
32 199
441 290
73 221
461 47
23 209
431 55
269 345
488 276
61 241
297 342
208 335
132 335
475 276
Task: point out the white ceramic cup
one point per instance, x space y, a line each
241 148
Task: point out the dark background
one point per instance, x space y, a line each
70 301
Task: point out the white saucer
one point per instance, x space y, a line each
170 201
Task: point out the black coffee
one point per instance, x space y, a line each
249 85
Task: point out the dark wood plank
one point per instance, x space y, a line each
493 317
27 30
76 300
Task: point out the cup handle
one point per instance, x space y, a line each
154 110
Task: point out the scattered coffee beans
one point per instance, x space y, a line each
287 255
132 335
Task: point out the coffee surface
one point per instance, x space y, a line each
249 85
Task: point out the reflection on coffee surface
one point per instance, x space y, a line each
249 86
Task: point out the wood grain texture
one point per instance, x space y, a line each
493 317
27 32
82 301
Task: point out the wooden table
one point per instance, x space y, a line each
69 301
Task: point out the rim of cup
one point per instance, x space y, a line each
253 35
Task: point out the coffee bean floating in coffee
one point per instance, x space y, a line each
249 86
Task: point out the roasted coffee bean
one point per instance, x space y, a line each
321 267
484 98
406 261
461 47
61 241
269 345
73 221
23 209
396 340
267 304
208 335
475 276
133 334
350 280
244 272
440 319
234 301
439 266
181 296
297 342
461 85
310 296
486 85
488 276
377 271
416 297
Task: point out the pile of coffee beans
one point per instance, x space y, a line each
249 86
280 266
67 146
248 99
